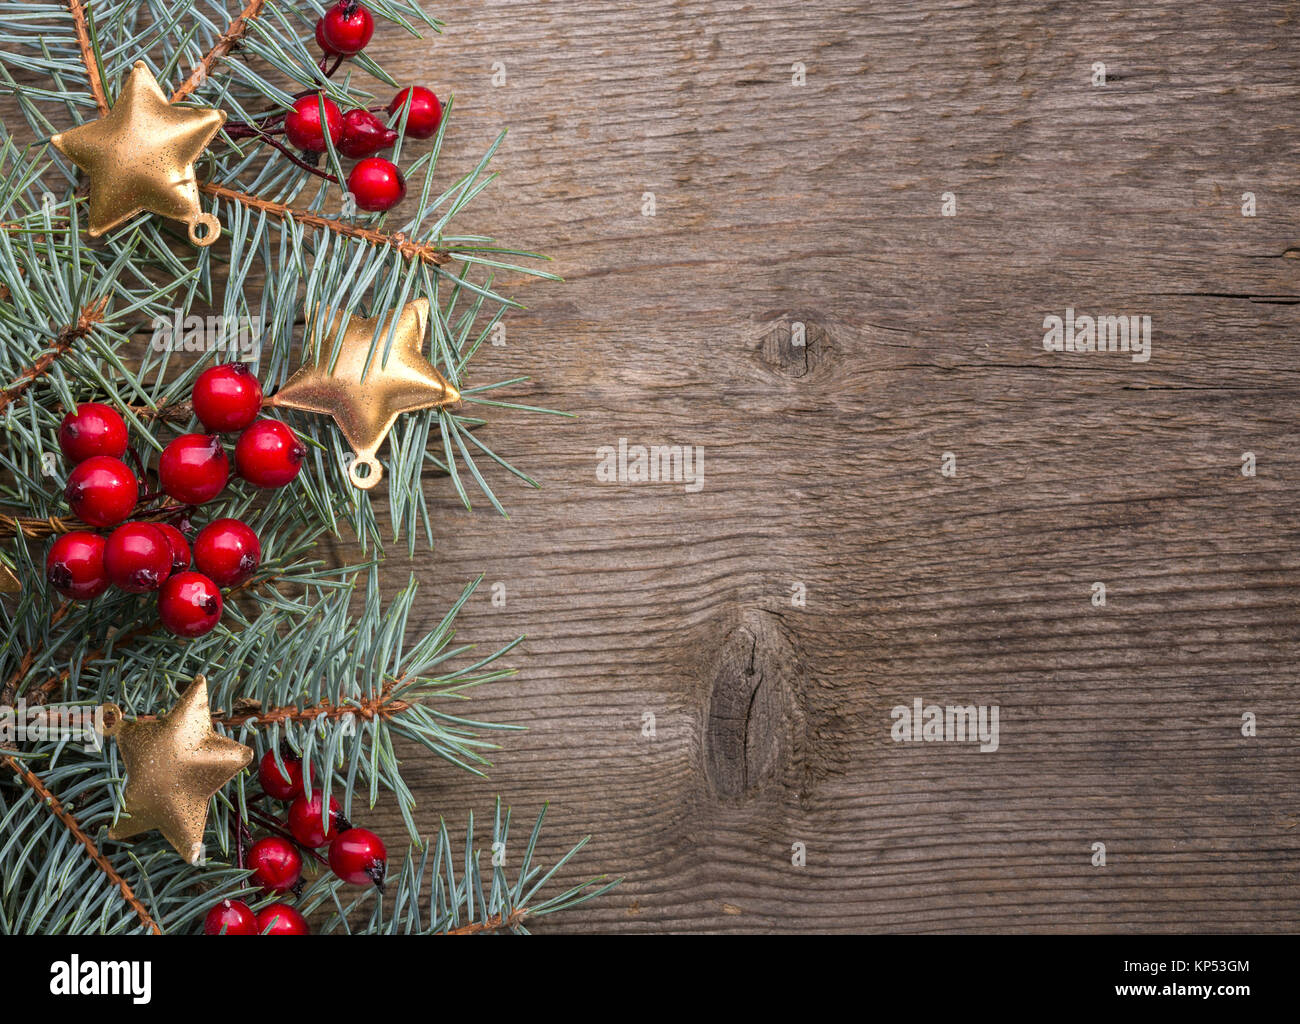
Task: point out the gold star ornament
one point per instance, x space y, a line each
365 395
174 764
140 156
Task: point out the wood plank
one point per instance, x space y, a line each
821 205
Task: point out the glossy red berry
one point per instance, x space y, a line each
305 820
358 856
189 604
138 557
227 398
281 919
230 917
75 565
426 112
364 134
280 782
102 491
376 184
269 454
227 551
302 125
180 547
321 41
194 468
347 27
276 864
92 429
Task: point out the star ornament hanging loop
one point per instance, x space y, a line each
140 157
365 395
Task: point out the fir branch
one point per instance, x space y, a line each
35 528
343 688
495 923
70 822
445 889
384 706
412 250
10 690
93 74
53 684
228 40
91 314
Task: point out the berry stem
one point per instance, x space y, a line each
139 466
273 825
249 130
293 157
240 829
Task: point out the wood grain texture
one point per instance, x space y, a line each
821 204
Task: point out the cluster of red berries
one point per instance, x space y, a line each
376 184
139 557
356 855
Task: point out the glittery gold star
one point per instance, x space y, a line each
363 395
174 764
140 156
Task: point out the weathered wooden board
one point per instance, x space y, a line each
822 204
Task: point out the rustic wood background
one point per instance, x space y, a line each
821 204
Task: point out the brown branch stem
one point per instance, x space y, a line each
70 822
35 528
69 336
88 55
384 706
493 924
417 250
223 46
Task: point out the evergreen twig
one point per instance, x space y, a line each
229 39
91 314
70 822
307 657
95 79
397 241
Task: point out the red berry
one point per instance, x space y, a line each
302 125
364 134
179 545
227 551
321 41
305 820
230 917
193 468
426 111
102 491
358 856
281 919
227 398
347 27
138 557
75 565
269 454
280 783
376 184
93 429
276 864
189 604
